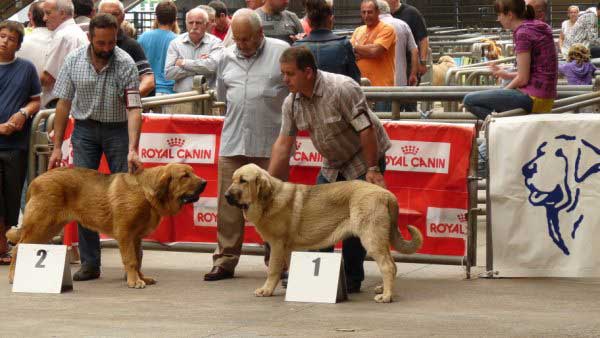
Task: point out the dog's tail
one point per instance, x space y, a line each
400 244
13 235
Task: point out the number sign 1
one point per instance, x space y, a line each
316 277
42 269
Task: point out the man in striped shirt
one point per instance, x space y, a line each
342 128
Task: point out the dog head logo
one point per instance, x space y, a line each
556 179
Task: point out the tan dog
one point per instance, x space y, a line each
440 69
293 216
124 206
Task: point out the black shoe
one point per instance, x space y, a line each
284 279
218 273
86 273
353 287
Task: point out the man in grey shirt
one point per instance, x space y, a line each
249 81
193 53
278 22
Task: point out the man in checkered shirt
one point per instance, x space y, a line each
352 141
98 84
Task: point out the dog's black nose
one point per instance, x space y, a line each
230 199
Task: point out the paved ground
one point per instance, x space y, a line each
430 300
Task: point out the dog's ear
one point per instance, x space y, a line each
263 186
587 161
162 186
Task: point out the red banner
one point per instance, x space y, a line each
426 169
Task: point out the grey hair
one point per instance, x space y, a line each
384 7
573 6
250 15
374 2
199 10
116 2
209 10
65 6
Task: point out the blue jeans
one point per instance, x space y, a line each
352 250
484 102
90 139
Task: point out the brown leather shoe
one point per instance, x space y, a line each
218 273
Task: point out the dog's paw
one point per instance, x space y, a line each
383 298
378 289
263 292
149 280
138 284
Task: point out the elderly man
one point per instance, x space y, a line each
278 22
67 36
98 85
131 47
193 53
375 48
405 45
249 81
356 152
251 4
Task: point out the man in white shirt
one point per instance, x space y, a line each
405 43
35 43
67 36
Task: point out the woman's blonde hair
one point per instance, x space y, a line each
578 52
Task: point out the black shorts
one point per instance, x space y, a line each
13 170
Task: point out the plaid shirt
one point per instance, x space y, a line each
337 100
98 96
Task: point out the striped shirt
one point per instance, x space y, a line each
337 100
98 96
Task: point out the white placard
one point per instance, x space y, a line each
316 277
42 268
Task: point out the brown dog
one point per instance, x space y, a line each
294 216
124 206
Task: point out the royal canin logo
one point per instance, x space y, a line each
183 148
305 154
410 150
446 222
418 156
205 212
175 142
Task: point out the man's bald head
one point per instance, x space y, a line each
247 31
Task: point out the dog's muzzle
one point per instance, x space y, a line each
232 200
195 196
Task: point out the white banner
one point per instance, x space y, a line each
545 191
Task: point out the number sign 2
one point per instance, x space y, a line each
42 269
316 277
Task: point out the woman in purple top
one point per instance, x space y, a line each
533 85
579 70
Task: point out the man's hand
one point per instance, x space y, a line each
180 62
134 164
18 120
375 178
55 160
412 79
422 69
7 128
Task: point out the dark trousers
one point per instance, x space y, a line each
90 139
352 250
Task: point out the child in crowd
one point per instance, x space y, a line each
578 70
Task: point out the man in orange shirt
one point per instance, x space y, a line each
374 46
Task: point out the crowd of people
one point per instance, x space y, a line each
278 74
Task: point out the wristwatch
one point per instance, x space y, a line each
374 168
423 62
24 113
